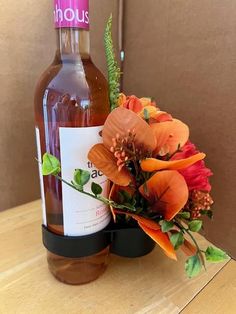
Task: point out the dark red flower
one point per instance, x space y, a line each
196 175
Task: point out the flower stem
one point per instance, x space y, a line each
97 197
75 188
199 251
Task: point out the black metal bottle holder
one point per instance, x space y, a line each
126 242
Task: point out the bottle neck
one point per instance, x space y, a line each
73 44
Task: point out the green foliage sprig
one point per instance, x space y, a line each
195 263
51 166
113 69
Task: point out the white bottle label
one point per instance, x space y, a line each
39 153
82 215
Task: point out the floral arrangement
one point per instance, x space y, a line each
159 180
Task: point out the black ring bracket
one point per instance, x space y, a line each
75 247
125 242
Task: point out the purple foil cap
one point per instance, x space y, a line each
71 13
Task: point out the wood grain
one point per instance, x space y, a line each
152 284
219 296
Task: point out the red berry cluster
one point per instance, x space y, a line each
198 201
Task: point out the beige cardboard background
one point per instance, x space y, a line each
27 45
183 53
26 42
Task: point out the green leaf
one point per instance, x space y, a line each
125 196
126 199
133 202
114 72
146 115
96 188
130 207
184 215
195 225
193 266
208 213
215 255
121 197
177 239
166 226
81 177
51 165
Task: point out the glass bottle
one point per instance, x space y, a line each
71 105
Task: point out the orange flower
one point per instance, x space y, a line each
124 100
167 193
131 102
144 106
121 145
170 133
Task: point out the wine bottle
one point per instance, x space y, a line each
71 105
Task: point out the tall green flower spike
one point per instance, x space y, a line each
114 72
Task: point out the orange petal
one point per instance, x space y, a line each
133 103
162 116
167 192
170 134
152 164
120 120
188 248
162 240
107 163
122 99
144 221
146 101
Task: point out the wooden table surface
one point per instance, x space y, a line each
151 284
